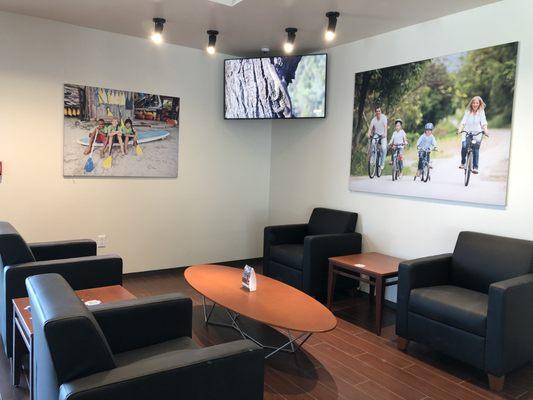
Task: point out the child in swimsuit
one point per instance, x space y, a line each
97 133
127 133
113 131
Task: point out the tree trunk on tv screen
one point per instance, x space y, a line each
257 88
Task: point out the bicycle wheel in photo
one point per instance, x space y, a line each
395 168
425 173
372 163
468 167
378 164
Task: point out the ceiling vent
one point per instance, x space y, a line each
229 3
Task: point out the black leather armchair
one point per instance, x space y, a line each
298 254
75 260
131 350
475 305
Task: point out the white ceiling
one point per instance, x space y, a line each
248 25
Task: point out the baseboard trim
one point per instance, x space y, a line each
232 263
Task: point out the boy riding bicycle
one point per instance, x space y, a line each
425 142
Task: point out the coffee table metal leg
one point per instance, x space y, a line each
298 341
207 315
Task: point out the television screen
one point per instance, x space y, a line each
275 87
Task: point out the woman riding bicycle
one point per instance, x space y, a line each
474 121
425 143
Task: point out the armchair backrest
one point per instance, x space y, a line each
480 260
68 342
13 248
325 221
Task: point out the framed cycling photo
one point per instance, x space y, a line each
438 128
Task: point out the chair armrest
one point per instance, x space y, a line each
285 234
509 325
132 324
412 274
64 249
317 250
80 273
281 234
228 371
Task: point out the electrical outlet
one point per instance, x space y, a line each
101 240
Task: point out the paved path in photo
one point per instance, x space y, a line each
447 180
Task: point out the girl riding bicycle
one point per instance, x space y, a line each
425 142
474 120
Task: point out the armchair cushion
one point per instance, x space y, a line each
288 254
325 220
480 260
452 305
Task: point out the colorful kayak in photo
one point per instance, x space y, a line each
144 137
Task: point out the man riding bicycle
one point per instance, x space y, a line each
425 142
378 127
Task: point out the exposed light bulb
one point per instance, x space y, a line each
157 37
291 37
332 25
288 47
211 44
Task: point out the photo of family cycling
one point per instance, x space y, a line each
439 128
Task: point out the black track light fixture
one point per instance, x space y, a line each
332 25
291 37
211 44
157 35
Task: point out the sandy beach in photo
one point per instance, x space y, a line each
159 158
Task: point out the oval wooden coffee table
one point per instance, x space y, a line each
273 303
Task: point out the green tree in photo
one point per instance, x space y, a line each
307 90
490 73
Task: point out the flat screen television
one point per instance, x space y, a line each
285 87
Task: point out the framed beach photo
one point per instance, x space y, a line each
119 133
438 128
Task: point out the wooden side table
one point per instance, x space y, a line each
23 326
382 271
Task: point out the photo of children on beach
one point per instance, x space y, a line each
438 128
119 133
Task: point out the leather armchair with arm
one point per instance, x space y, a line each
298 254
75 260
474 305
132 350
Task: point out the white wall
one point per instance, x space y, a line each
215 210
311 159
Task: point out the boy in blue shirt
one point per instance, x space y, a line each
425 142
